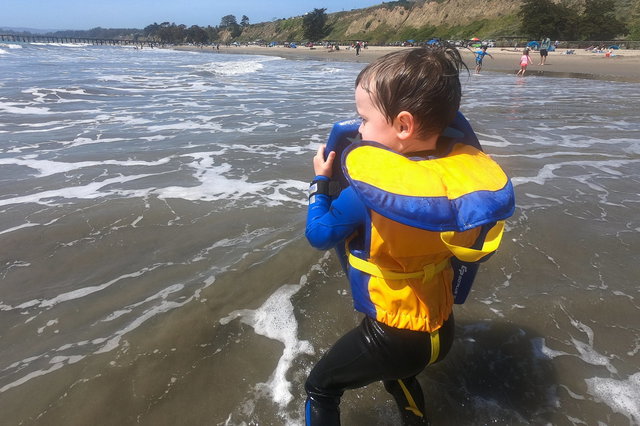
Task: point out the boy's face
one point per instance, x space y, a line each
375 126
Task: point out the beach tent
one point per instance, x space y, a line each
273 43
411 41
614 47
433 41
533 44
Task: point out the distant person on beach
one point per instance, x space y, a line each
525 60
544 50
358 46
480 54
400 267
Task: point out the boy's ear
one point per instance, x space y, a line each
404 125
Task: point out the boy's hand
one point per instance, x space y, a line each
321 166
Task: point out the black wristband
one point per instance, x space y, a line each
319 187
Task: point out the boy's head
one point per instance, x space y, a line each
484 48
423 82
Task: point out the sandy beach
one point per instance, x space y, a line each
622 65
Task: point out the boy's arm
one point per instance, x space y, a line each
329 223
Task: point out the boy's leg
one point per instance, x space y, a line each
407 392
351 363
366 354
408 395
369 353
331 376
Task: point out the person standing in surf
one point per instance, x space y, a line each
417 193
545 44
525 60
480 54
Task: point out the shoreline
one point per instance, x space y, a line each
623 66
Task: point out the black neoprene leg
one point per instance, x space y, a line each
347 365
369 353
408 395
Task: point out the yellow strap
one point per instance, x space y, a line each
413 407
427 273
435 346
491 243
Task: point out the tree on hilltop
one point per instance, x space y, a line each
230 23
634 22
544 18
196 34
599 21
314 25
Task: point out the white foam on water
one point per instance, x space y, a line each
162 294
123 119
89 191
586 351
622 396
23 109
233 68
49 323
78 293
48 168
70 45
31 375
331 70
189 125
495 140
164 305
241 241
160 304
18 227
275 319
542 351
547 172
40 94
10 46
214 185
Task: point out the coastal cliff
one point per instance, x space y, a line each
419 18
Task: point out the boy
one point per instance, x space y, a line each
480 54
400 228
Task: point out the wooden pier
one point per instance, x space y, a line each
74 40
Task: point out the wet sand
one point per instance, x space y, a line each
623 65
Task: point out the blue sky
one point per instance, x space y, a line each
87 14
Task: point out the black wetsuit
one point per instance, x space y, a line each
371 352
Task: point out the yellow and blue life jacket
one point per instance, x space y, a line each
424 216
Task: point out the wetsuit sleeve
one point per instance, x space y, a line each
329 223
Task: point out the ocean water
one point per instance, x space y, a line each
153 268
